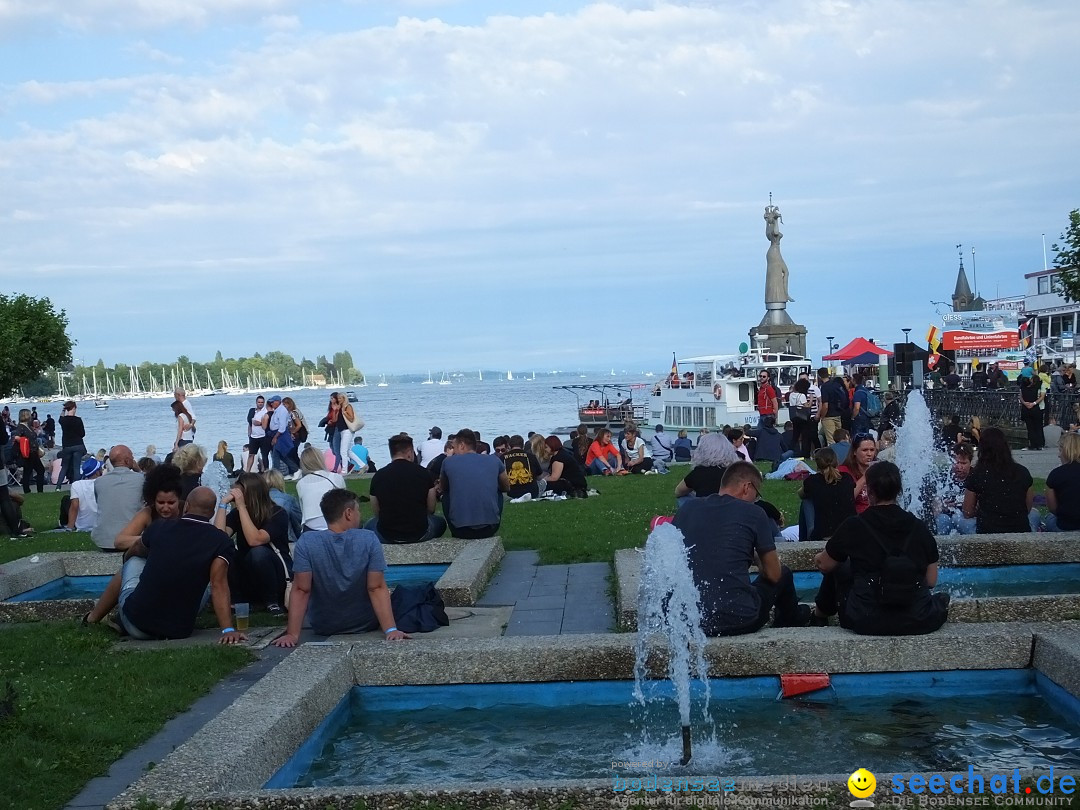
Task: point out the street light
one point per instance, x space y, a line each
906 331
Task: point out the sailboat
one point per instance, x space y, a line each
382 382
428 381
100 403
510 376
445 380
481 373
534 376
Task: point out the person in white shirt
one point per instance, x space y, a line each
315 483
188 436
80 507
258 444
432 448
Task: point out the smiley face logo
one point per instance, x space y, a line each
861 783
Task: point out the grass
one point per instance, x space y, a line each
571 531
79 706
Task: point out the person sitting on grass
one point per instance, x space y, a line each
723 533
682 446
472 485
119 497
403 498
78 509
340 577
162 587
523 470
566 477
11 508
714 454
275 482
603 457
633 451
880 567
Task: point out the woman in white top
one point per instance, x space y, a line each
633 448
803 428
315 483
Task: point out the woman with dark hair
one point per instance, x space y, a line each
185 425
261 529
30 456
566 477
1031 398
72 447
604 457
163 499
298 429
999 492
861 455
880 567
802 428
334 423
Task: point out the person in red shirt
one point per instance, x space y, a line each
767 400
603 457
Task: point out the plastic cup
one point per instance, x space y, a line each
242 612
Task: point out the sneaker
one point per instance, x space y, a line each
274 609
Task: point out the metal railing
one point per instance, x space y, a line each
997 406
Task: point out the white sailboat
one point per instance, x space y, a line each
445 379
428 381
510 376
481 373
382 382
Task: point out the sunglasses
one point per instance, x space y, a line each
862 437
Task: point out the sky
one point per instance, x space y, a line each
435 184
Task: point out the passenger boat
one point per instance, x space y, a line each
606 405
721 389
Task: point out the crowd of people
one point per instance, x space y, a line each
251 541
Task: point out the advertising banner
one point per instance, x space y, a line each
980 331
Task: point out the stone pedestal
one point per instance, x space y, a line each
780 332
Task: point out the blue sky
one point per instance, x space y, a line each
440 184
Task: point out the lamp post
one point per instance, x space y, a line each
832 348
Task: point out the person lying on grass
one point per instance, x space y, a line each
162 586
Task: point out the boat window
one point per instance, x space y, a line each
744 392
703 373
788 375
686 416
672 415
710 417
699 417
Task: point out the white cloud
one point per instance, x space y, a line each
609 143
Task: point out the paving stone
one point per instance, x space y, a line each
533 629
540 603
538 590
536 615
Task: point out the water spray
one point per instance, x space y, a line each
686 754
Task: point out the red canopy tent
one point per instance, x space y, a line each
860 352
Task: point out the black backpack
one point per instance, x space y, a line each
899 580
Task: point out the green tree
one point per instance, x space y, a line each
33 337
1067 258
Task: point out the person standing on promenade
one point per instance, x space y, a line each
257 420
281 438
72 446
28 452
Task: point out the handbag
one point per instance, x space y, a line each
284 442
356 423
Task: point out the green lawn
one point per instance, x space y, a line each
78 706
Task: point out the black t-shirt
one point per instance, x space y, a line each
1065 481
721 534
833 503
835 395
1002 505
277 527
401 488
704 481
951 434
571 471
170 590
189 482
522 468
893 525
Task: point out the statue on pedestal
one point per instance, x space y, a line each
776 271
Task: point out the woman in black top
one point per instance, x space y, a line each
566 476
261 530
830 495
72 448
713 455
1031 397
999 493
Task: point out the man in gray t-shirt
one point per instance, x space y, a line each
339 576
723 532
119 496
471 486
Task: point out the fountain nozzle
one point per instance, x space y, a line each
685 745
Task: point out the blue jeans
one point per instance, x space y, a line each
947 523
70 457
596 467
285 460
436 527
129 581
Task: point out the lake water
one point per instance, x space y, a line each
492 407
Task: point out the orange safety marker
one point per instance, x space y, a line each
795 684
